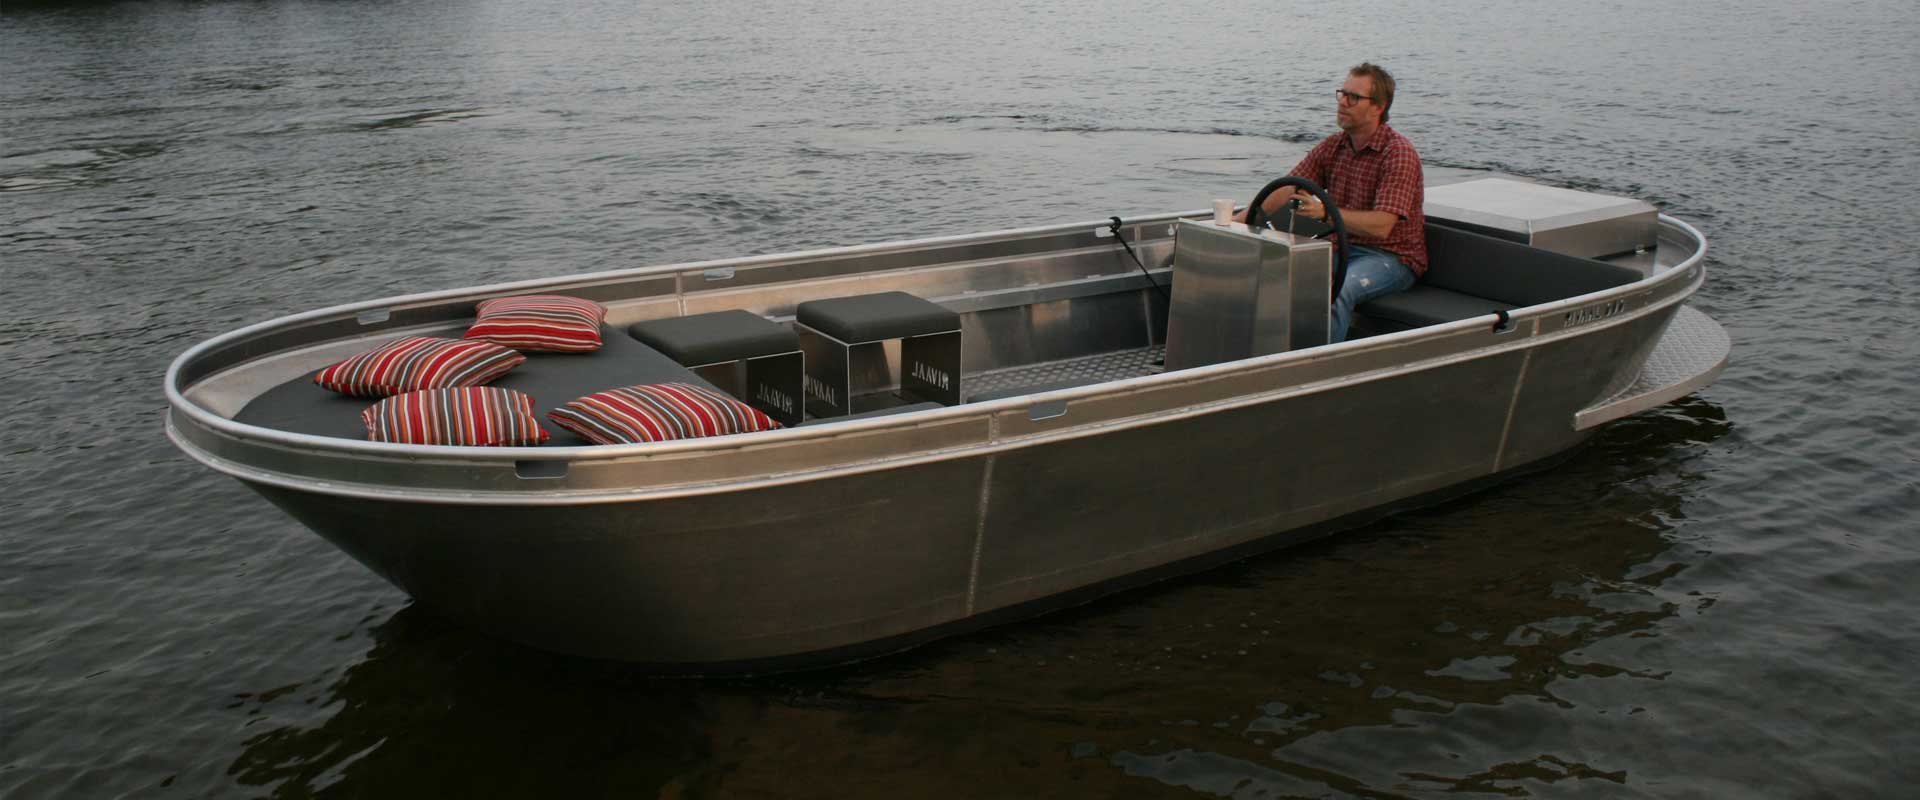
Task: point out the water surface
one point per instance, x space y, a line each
1714 599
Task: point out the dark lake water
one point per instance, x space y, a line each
1720 598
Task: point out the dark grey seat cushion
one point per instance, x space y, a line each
551 379
878 412
873 317
717 337
1470 274
1425 305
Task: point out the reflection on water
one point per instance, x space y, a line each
1305 672
431 701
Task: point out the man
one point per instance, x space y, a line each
1373 175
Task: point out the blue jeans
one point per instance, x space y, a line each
1370 273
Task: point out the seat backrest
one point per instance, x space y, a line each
1510 272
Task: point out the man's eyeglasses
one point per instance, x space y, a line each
1350 97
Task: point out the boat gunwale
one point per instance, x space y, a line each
987 411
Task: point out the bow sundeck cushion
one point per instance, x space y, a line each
551 379
1469 274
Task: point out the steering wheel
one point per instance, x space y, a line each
1254 212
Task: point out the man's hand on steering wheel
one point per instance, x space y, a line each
1310 206
1279 202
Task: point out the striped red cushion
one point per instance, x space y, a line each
540 323
656 412
419 362
472 416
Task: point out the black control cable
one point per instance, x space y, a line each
1115 227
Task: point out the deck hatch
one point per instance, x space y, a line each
1576 223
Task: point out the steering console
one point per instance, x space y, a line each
1254 212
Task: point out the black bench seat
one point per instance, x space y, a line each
1425 305
1470 274
551 379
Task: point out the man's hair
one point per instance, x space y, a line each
1382 85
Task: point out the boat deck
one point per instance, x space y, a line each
1081 371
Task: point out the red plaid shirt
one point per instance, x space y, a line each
1383 176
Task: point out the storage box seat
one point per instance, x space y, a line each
1470 274
769 350
552 379
845 336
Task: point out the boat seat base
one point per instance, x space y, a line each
844 338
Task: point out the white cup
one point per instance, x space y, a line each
1222 212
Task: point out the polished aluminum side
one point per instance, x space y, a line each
827 542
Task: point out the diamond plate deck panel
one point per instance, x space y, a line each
1690 355
1087 369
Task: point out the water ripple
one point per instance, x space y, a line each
1712 599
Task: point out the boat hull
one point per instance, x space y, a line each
825 543
789 574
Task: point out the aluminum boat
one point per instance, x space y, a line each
1136 399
